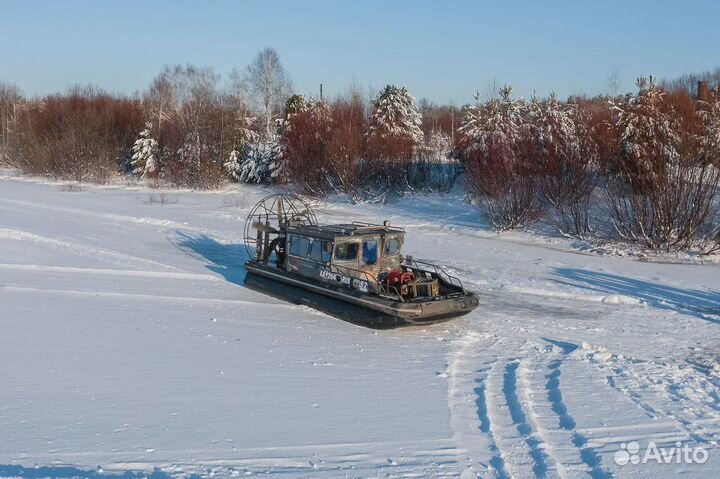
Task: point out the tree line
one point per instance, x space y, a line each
641 167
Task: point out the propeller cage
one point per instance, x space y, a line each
265 224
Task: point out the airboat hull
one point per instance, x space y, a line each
355 307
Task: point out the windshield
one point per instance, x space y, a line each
392 246
346 251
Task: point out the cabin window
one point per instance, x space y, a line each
346 251
392 246
321 251
370 252
299 246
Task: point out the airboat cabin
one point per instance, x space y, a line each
357 250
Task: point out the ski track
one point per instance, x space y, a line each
78 249
104 216
144 297
109 272
432 458
695 397
114 218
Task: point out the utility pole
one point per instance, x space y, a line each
321 96
452 125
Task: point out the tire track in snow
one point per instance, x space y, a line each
513 392
497 462
549 447
105 216
587 455
114 218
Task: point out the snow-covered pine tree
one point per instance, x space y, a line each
495 139
496 125
145 157
190 152
244 133
439 144
294 104
233 164
244 137
436 170
649 131
261 163
393 136
395 117
200 163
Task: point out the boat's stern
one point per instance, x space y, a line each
438 309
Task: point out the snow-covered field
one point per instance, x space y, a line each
129 343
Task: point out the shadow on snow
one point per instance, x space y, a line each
227 260
71 472
701 304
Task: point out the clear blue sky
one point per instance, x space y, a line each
443 51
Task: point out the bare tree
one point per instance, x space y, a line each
185 106
689 82
242 119
268 85
181 91
161 99
612 83
10 99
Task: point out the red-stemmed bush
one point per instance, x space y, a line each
567 158
85 135
662 191
497 143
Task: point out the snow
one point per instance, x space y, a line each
128 342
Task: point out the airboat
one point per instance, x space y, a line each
352 270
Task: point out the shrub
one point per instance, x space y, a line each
85 135
325 146
347 147
434 167
305 139
663 189
497 142
567 157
